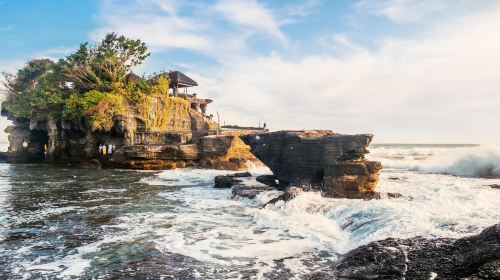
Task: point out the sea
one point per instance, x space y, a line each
68 223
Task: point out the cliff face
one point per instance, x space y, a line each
325 161
168 135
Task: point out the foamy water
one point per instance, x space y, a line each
459 160
176 220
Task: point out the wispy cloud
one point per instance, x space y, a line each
156 22
402 10
250 14
302 9
421 87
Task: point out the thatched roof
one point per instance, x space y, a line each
132 77
179 80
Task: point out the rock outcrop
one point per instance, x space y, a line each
475 257
227 181
171 135
323 160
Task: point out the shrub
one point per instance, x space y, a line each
102 115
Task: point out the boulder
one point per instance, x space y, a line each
227 181
331 163
268 180
286 196
475 257
248 191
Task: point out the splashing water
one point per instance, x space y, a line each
69 223
459 160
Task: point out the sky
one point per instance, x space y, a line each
408 71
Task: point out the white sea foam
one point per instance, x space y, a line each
479 161
210 227
207 225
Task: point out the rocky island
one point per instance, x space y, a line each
90 108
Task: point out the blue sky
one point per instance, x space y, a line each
405 70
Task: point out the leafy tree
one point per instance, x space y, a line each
37 86
77 104
104 66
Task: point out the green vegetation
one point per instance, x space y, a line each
91 84
157 113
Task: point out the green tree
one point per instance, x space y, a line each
104 66
37 86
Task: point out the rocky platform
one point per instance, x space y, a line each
224 152
320 159
475 257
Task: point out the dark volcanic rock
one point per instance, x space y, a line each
329 162
249 191
286 196
495 186
227 181
475 257
269 180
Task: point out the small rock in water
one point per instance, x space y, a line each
288 195
229 180
495 186
225 181
269 180
249 191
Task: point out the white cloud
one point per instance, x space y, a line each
403 10
303 9
155 22
441 86
250 14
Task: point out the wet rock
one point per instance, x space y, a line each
3 156
394 195
227 181
268 180
495 186
249 191
286 196
475 257
331 163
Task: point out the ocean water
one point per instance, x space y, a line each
65 223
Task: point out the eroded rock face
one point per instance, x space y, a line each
329 162
188 139
223 152
475 257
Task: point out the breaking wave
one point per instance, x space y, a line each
466 161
